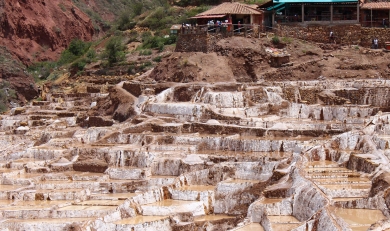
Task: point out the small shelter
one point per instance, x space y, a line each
375 14
175 29
233 12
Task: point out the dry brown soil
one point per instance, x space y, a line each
245 60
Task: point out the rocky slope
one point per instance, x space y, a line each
37 30
40 30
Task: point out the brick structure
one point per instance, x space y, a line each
192 43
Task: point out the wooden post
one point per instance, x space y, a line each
331 13
371 16
358 12
303 13
273 19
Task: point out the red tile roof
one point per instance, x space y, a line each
375 6
210 16
231 8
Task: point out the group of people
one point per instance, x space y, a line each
217 25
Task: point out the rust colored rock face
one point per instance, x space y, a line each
40 30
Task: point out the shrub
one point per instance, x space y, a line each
114 50
91 55
158 19
170 40
66 57
157 59
196 2
275 40
3 107
75 49
41 70
184 63
79 64
137 8
78 47
145 52
124 21
131 69
146 36
6 95
145 65
286 40
155 42
150 42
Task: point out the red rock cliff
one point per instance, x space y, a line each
37 30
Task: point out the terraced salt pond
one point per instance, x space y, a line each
273 164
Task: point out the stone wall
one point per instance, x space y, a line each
192 43
345 34
367 34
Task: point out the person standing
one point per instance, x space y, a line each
239 26
331 37
375 43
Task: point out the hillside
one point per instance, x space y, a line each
33 31
34 35
39 30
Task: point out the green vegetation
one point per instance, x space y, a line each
156 42
275 40
145 52
75 49
157 59
42 70
91 56
184 63
197 2
9 66
158 19
62 6
98 23
72 55
134 68
115 50
254 1
155 15
79 64
286 39
125 22
145 65
6 95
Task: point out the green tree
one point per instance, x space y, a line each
78 47
137 8
114 50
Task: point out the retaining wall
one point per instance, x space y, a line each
353 34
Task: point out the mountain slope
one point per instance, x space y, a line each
38 30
